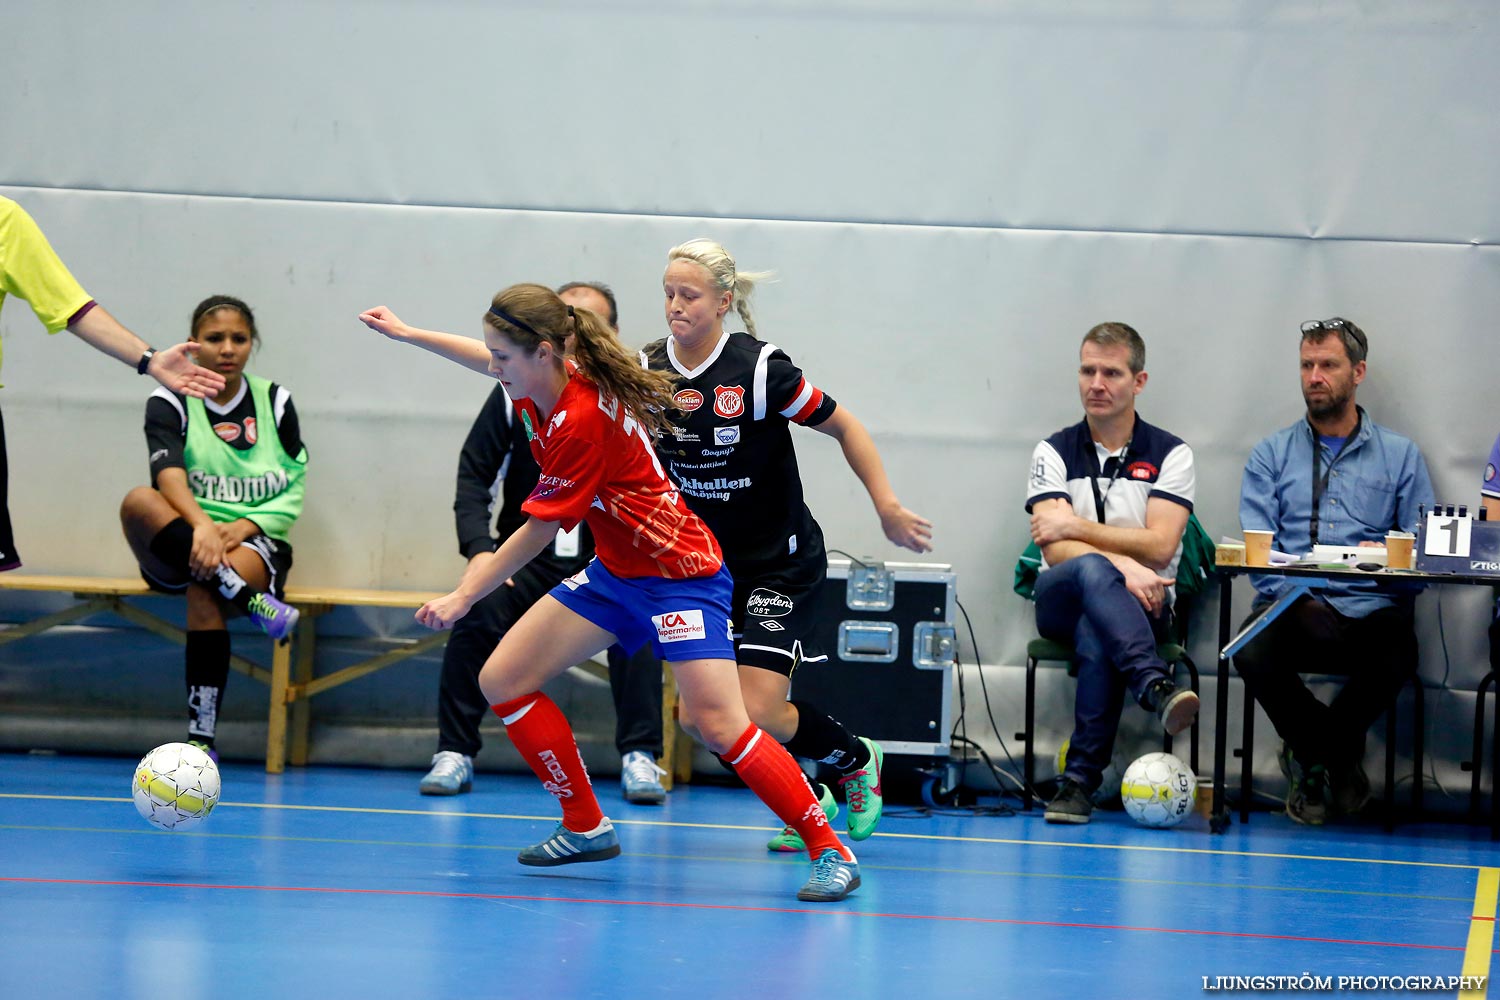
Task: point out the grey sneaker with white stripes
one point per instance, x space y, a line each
565 847
833 878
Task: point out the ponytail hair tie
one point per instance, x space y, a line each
571 314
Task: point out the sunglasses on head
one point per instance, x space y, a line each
1337 324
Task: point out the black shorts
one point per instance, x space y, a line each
9 557
775 611
276 555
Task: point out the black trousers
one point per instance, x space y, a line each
635 681
1377 654
9 558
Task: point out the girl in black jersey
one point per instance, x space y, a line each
731 453
227 477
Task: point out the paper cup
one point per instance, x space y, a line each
1398 549
1258 547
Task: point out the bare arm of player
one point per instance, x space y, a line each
1492 508
488 570
464 351
1153 546
173 366
901 526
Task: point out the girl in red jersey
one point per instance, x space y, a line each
658 574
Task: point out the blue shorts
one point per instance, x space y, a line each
682 619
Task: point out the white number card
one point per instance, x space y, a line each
1447 536
566 545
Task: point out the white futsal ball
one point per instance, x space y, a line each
1158 790
176 786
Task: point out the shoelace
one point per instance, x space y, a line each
854 789
448 764
640 767
829 870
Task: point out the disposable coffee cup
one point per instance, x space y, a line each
1258 547
1398 549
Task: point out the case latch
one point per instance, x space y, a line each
870 587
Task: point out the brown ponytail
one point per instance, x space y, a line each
529 314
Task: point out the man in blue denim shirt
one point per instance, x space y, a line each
1333 478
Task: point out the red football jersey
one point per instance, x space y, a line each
598 465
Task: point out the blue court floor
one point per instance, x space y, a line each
340 882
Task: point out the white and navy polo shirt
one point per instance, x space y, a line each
1070 464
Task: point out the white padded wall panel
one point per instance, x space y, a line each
1242 116
956 347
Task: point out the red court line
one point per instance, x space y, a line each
724 906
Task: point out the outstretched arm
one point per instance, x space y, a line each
172 366
901 526
461 350
487 571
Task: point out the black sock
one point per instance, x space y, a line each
823 738
174 543
207 676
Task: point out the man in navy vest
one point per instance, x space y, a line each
1109 499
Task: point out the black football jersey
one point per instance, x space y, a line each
731 452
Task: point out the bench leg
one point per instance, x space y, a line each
305 648
677 745
281 674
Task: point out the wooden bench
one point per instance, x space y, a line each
290 677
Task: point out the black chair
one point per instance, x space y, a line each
1038 650
1247 755
1477 763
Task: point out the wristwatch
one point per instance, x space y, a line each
140 367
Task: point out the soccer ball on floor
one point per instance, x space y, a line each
1158 790
176 786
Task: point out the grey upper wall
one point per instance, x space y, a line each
1347 119
951 194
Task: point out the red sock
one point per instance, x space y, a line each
771 773
541 732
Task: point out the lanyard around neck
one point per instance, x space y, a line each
1100 497
1320 475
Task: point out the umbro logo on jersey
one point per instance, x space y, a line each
688 400
227 431
726 435
729 401
771 626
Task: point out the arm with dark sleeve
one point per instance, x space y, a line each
479 465
164 437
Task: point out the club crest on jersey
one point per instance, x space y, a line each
726 435
526 422
678 626
1144 471
1489 473
687 400
250 429
227 431
729 400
